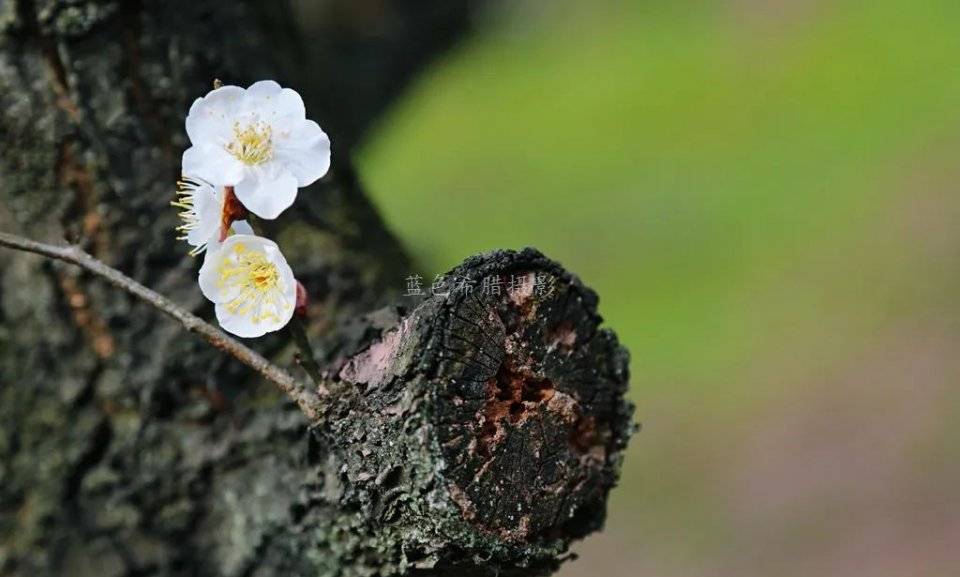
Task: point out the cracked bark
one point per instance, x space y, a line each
475 434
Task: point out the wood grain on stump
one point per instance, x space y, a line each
501 405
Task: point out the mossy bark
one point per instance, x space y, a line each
130 448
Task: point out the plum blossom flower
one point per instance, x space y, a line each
257 140
206 217
251 284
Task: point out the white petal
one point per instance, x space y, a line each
298 132
273 313
210 120
281 312
264 88
287 300
306 154
240 325
268 101
207 201
209 276
211 284
267 192
201 236
288 284
290 104
212 163
254 242
207 204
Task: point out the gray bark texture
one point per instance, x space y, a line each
477 433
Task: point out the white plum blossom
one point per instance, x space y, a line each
251 149
201 207
257 140
251 284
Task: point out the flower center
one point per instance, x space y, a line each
250 269
252 144
255 278
263 276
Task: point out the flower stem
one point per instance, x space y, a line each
307 360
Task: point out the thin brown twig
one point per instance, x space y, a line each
308 400
306 357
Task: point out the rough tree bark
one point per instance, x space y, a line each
472 434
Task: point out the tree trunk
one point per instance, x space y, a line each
475 433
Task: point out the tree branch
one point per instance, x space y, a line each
306 357
307 400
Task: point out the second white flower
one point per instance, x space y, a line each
251 284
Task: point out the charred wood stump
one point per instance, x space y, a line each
481 432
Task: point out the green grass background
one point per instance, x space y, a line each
761 193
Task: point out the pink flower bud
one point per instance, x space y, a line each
300 309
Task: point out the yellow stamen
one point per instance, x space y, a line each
252 144
186 189
257 280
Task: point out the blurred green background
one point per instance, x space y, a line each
763 192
